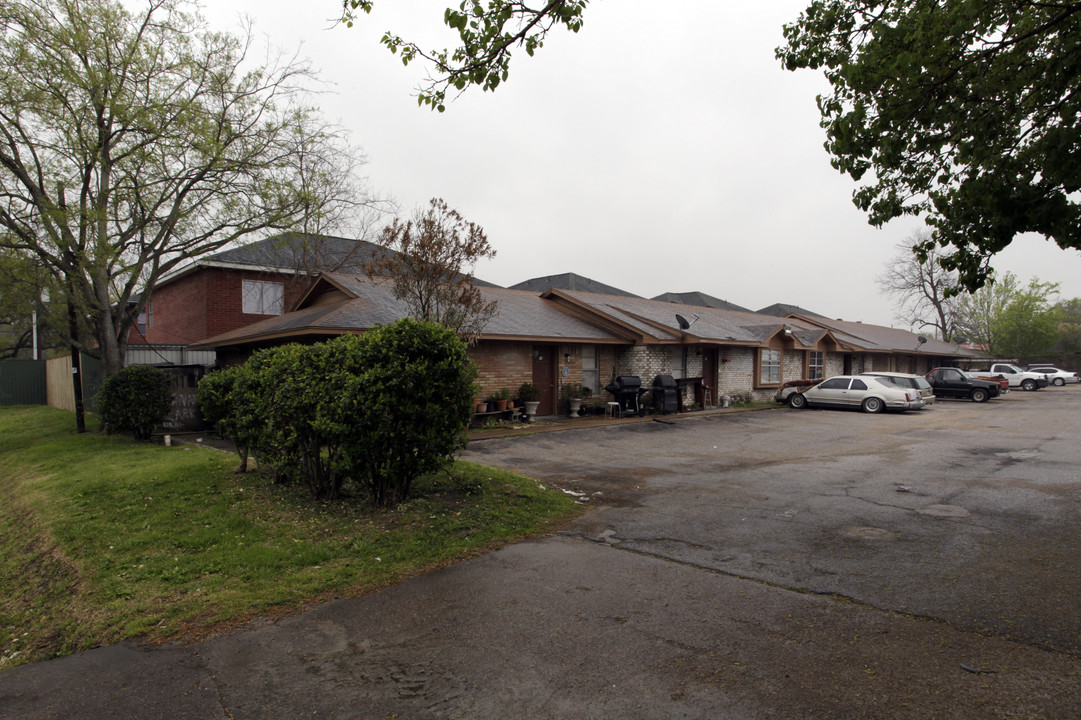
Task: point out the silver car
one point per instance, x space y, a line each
1056 376
907 380
870 394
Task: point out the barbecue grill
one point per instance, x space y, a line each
627 390
665 394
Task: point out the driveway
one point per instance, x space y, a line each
777 564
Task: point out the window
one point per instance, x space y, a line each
590 369
679 362
858 384
835 384
770 367
816 365
263 298
145 319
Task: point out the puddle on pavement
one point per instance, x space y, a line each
867 533
944 511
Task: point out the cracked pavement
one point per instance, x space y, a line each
771 564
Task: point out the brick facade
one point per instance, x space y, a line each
205 303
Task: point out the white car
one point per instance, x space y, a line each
1056 376
907 380
870 394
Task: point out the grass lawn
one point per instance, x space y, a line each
103 539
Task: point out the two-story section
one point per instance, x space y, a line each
234 288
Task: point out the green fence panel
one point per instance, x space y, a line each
22 382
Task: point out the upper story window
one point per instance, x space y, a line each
263 298
145 319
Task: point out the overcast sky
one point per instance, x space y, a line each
653 152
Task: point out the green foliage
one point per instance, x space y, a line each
1068 317
136 139
417 397
137 399
103 539
528 392
378 409
225 401
965 112
1027 325
488 30
1010 321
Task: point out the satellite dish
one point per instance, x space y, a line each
922 339
683 324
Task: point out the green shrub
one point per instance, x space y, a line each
379 409
528 392
418 392
137 399
225 402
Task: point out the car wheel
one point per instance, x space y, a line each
1028 384
873 405
796 400
979 395
1059 382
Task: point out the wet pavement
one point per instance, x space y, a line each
772 564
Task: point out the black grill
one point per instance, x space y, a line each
665 394
626 389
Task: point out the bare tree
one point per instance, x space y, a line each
925 291
430 259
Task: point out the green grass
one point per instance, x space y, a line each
103 539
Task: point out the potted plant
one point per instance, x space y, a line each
571 395
529 394
501 397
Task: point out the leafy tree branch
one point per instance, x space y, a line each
488 31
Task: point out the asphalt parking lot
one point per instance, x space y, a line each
771 564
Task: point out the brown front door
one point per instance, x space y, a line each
544 377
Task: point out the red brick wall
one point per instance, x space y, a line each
179 314
205 303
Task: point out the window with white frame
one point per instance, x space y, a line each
263 298
770 367
590 369
816 365
145 319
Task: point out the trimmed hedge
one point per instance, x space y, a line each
378 409
137 399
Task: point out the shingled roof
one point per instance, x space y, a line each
569 281
342 303
699 299
784 310
296 252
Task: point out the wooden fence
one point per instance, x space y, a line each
58 380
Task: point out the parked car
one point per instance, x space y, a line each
1056 376
951 382
907 380
870 394
1016 376
1003 383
